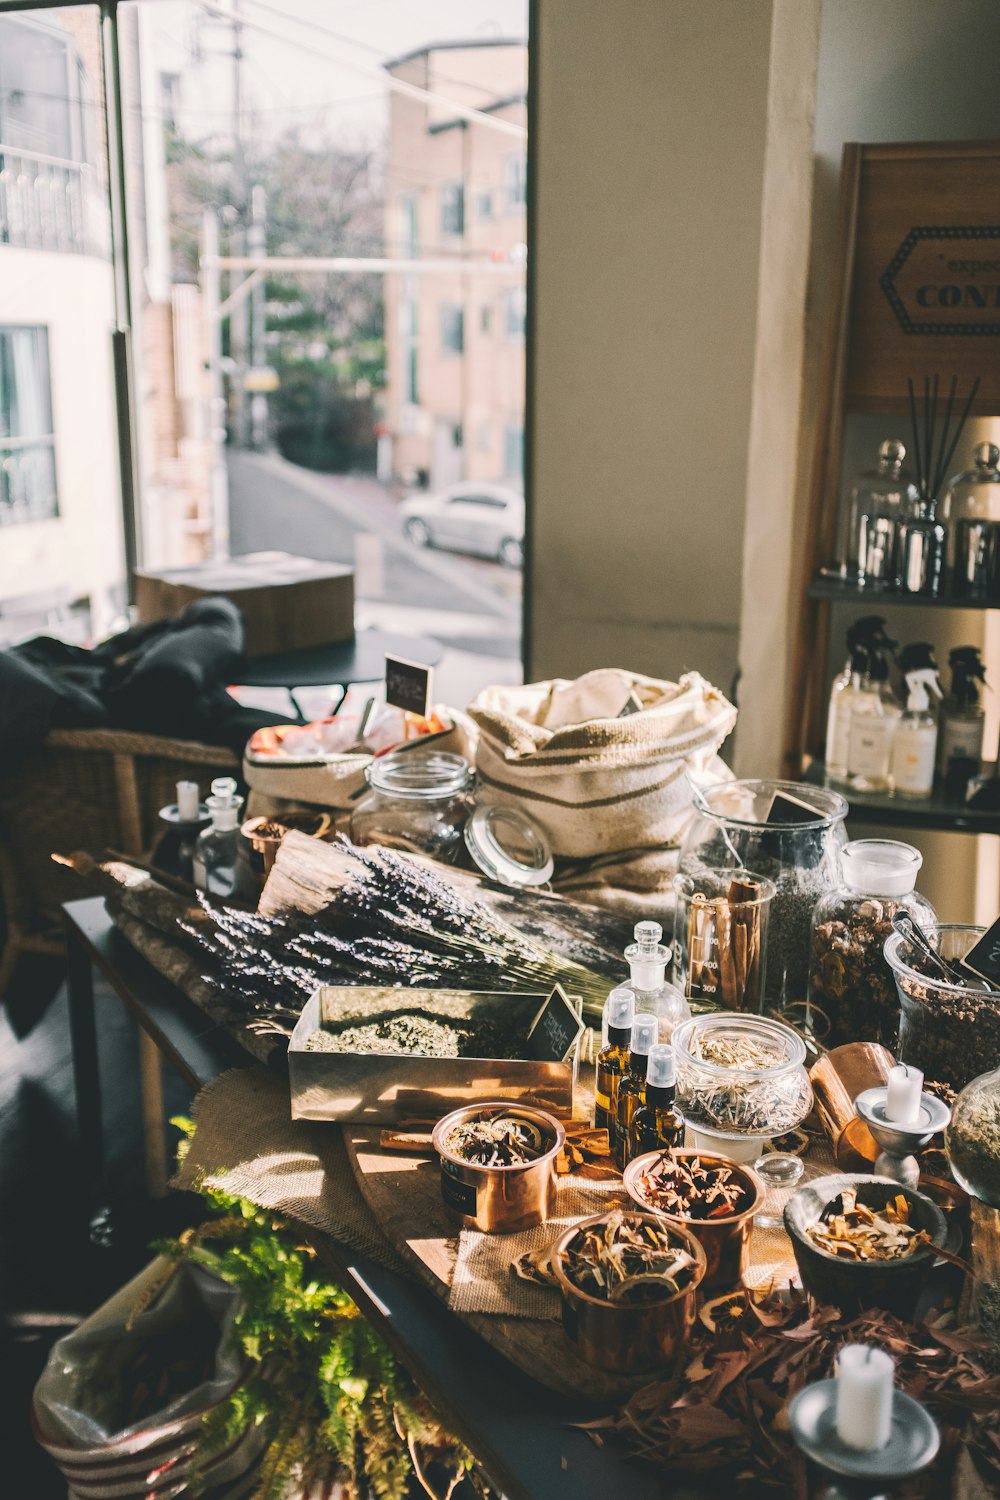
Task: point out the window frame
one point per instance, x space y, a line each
453 336
12 442
453 222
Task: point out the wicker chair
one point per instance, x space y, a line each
89 789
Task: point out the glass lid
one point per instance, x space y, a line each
508 846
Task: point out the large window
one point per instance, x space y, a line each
453 209
27 440
516 180
452 328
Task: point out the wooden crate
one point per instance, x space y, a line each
288 603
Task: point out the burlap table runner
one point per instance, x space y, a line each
246 1144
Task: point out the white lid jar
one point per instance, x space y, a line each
880 867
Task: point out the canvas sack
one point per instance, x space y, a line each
596 781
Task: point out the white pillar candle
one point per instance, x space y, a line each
902 1100
864 1397
187 801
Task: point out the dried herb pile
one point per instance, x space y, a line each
628 1260
394 922
850 979
417 1033
853 1231
947 1033
497 1141
757 1098
724 1415
691 1189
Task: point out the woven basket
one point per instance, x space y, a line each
89 789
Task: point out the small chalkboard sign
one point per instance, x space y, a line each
984 959
408 685
785 808
555 1029
632 705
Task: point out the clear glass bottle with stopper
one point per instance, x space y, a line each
972 508
647 961
216 853
914 746
632 1089
879 500
612 1060
657 1125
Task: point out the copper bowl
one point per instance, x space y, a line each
500 1200
629 1340
726 1242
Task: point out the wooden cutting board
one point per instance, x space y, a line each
404 1193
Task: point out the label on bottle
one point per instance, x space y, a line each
961 739
913 758
838 734
199 873
870 745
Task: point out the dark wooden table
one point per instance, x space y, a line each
516 1427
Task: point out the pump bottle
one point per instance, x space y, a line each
962 717
612 1059
657 1125
647 961
632 1089
874 715
844 693
915 744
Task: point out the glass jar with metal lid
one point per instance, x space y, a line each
418 801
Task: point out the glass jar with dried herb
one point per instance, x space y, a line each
419 801
973 1138
850 982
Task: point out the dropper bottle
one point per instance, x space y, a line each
632 1089
612 1060
657 1125
647 962
962 717
915 744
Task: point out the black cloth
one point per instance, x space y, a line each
168 678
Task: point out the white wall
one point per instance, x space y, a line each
71 295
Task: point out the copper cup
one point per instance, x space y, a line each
837 1079
726 1242
626 1339
500 1200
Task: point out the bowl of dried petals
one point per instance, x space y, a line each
628 1284
711 1196
498 1164
863 1242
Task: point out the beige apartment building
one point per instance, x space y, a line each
456 189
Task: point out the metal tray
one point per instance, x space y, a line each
387 1088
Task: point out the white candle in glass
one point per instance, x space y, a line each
187 801
864 1397
902 1099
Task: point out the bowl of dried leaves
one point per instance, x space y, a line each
498 1164
863 1242
628 1283
712 1197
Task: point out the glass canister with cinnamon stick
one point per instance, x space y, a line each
720 937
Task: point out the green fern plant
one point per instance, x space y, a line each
332 1400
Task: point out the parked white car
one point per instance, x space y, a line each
468 517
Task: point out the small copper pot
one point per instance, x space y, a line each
500 1200
629 1340
726 1242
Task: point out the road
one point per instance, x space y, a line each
468 604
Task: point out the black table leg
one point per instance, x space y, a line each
87 1080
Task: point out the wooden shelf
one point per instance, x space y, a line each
938 812
840 591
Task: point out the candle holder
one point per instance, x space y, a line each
862 1475
898 1142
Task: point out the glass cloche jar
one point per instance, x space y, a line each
418 801
787 832
850 981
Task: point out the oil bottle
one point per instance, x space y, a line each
657 1125
962 717
914 747
632 1089
612 1060
647 962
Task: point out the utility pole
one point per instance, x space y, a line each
257 246
239 321
219 487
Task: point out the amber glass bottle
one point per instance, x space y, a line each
632 1089
657 1125
612 1059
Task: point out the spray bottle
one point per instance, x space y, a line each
961 735
843 694
874 713
647 962
915 745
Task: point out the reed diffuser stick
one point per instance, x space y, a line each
958 432
939 472
916 436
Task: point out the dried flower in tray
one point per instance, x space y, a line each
497 1141
854 1231
626 1259
691 1189
416 1033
